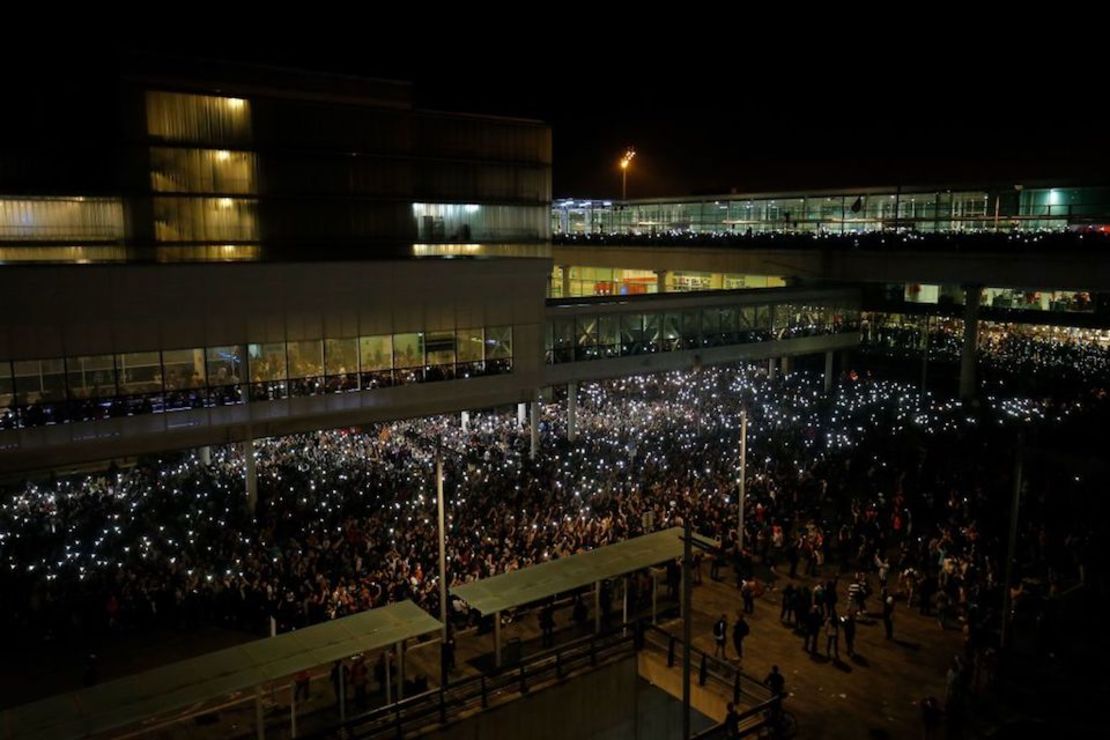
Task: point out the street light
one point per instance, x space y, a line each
626 160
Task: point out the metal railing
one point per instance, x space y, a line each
439 706
765 710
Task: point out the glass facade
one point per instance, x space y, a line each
472 222
571 281
841 212
606 335
1010 299
61 219
85 388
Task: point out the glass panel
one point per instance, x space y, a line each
632 334
439 347
499 349
267 362
609 335
585 329
408 357
201 171
728 325
470 345
184 378
268 370
91 377
61 219
499 342
653 332
376 361
341 364
139 373
226 369
690 334
40 387
202 118
306 366
672 332
563 339
710 327
7 397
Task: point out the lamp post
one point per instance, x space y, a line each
626 160
743 474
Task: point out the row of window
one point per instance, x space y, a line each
36 392
598 336
937 211
208 119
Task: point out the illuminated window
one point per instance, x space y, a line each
58 219
205 219
202 171
200 118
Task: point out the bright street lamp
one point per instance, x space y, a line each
626 160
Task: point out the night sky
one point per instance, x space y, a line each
717 122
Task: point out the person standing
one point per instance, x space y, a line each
732 722
740 630
849 624
786 616
747 593
888 614
720 631
832 636
776 682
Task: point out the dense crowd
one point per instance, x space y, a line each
346 519
1058 355
786 237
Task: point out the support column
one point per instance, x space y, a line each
597 608
400 670
534 427
828 371
520 412
971 342
343 690
661 281
259 721
566 281
293 710
206 455
654 593
497 639
251 474
464 418
785 364
624 606
572 411
770 368
388 679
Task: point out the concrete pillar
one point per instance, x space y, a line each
251 475
259 721
400 670
388 678
566 281
661 281
465 418
572 411
206 455
770 368
597 608
971 341
497 639
520 410
534 428
786 364
828 371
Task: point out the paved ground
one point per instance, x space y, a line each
874 695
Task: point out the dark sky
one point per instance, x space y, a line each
711 123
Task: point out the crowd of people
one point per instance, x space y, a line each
865 483
1063 356
788 235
